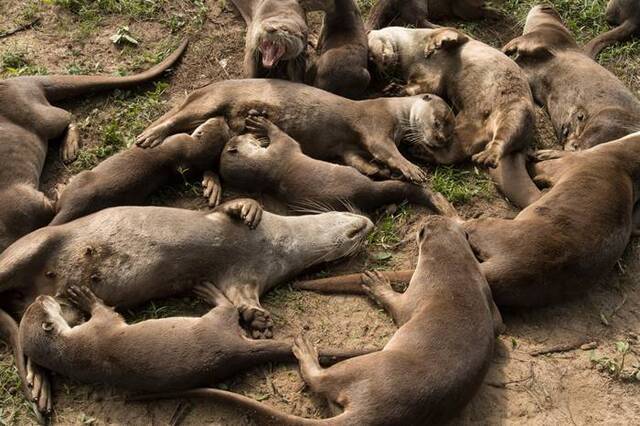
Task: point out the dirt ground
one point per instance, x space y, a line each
600 385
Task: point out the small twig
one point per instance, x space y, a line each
510 382
563 347
19 28
179 414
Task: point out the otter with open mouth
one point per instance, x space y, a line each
276 38
354 132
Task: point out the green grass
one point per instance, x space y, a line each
16 61
137 9
460 186
387 235
365 6
618 366
132 113
13 406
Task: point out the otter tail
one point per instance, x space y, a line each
621 33
9 333
513 180
57 87
349 284
261 413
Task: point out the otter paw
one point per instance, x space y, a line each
547 154
151 137
444 39
82 297
413 173
303 349
258 124
375 285
246 209
70 145
488 158
258 322
212 188
38 381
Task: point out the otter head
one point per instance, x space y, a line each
383 52
280 40
431 123
442 236
540 15
245 161
317 238
607 125
212 129
40 327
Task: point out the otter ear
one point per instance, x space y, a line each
445 39
47 326
527 47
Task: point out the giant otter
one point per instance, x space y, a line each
446 318
352 131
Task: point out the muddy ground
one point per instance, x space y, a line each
574 386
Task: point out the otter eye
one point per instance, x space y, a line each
427 97
47 326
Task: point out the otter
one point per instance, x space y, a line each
490 94
417 13
281 169
352 131
276 38
447 323
152 355
243 260
569 84
625 16
131 176
28 121
342 65
594 190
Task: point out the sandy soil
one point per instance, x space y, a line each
574 386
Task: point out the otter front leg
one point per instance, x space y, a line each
245 297
246 209
386 152
212 188
40 384
85 300
358 162
71 144
378 288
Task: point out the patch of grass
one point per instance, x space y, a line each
621 52
30 11
616 366
13 406
83 68
459 185
166 308
137 9
16 61
365 6
585 18
132 114
386 237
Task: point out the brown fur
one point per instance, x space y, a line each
624 15
130 255
130 177
568 239
342 65
418 12
28 121
586 103
153 355
276 38
447 322
354 132
283 170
